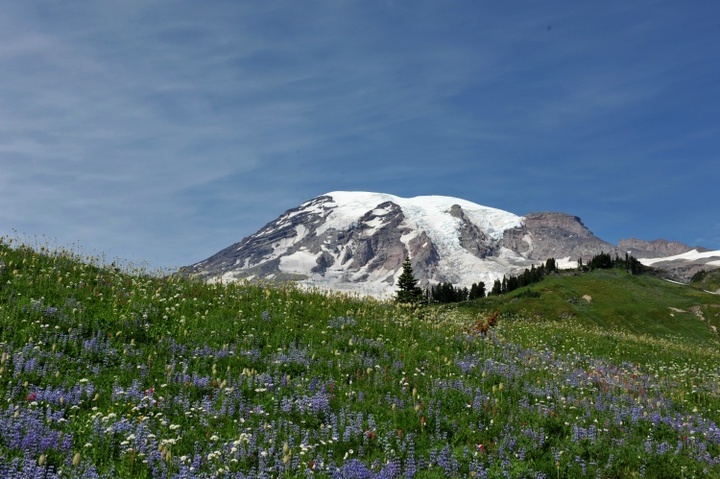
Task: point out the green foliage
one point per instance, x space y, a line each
601 261
497 288
477 290
534 275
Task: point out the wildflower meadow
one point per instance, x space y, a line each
107 373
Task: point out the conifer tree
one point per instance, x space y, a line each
408 290
477 290
550 265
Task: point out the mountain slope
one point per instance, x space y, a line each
682 267
357 241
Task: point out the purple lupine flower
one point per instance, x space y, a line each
341 321
592 433
391 470
477 469
410 462
448 462
352 469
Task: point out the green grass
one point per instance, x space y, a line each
128 374
616 301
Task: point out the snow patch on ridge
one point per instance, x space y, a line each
692 255
429 213
300 262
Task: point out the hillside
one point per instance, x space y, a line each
707 280
643 304
611 302
111 374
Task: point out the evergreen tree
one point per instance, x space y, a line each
550 265
633 265
511 284
445 293
497 287
477 290
408 290
601 261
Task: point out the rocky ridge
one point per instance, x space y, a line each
555 235
653 249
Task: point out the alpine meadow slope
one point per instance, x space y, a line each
356 242
106 374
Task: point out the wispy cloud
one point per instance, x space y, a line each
131 124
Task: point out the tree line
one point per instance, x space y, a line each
606 261
526 278
409 292
447 293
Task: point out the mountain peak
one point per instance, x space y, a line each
356 241
428 211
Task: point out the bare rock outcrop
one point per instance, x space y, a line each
555 235
472 238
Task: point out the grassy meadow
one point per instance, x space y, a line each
107 373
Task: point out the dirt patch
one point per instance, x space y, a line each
698 312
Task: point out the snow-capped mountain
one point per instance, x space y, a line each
357 241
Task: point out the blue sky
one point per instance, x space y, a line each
159 132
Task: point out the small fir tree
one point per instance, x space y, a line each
497 287
550 265
408 290
477 290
